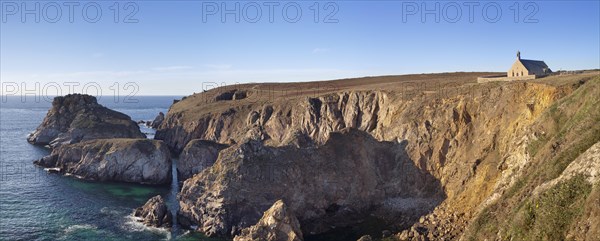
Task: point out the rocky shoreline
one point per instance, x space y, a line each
295 166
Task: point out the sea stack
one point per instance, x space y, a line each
77 117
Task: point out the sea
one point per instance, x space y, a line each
37 205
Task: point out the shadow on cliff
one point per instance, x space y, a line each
409 192
349 186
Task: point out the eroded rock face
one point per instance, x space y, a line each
197 156
335 184
75 118
158 120
154 213
122 160
314 117
277 224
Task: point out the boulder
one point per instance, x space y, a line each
277 224
122 160
231 95
365 238
76 117
403 236
154 213
197 156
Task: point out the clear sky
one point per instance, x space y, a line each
177 47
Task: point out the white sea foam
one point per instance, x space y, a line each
73 229
77 227
73 175
133 223
52 169
110 211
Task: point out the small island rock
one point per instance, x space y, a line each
76 117
154 213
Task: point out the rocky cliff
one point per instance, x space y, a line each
335 151
123 160
76 117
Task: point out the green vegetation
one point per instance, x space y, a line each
571 126
548 216
486 222
519 184
575 119
535 146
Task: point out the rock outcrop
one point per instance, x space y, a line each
154 213
197 156
586 164
122 160
277 224
335 184
76 117
158 120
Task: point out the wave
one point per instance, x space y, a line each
111 211
80 232
77 227
133 223
74 175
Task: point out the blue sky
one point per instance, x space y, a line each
172 50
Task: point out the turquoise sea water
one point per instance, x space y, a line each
36 205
